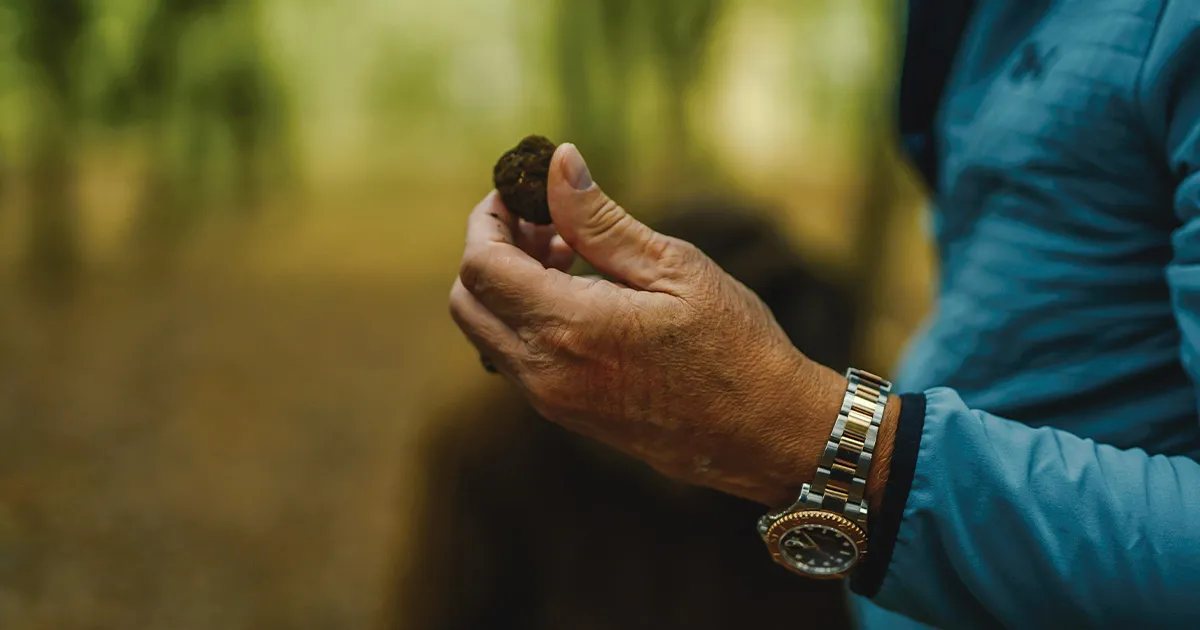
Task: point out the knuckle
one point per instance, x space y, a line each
553 339
561 339
481 271
672 254
456 303
562 330
470 271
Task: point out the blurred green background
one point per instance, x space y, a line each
228 229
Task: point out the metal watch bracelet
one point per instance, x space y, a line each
841 481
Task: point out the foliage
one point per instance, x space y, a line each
189 77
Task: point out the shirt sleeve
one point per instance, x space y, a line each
1010 526
1004 525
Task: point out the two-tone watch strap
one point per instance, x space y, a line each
841 480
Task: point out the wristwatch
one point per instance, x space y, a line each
824 533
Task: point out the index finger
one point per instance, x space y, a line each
491 222
506 280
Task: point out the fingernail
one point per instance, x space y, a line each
576 170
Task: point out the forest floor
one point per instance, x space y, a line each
223 446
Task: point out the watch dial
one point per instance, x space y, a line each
818 549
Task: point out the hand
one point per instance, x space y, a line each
675 363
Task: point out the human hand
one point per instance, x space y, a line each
673 362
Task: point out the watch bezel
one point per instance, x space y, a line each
787 522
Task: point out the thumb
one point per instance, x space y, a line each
607 236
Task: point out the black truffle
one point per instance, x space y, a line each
520 177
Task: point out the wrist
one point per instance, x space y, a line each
799 427
881 461
805 429
823 532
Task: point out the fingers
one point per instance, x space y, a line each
490 222
506 280
490 336
608 237
593 279
561 256
534 239
543 243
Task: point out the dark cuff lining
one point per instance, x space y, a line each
885 524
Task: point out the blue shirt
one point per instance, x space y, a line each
1055 479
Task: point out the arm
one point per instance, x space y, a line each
1014 526
1021 526
677 364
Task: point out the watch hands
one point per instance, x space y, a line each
796 542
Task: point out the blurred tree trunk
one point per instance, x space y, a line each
177 186
218 132
877 135
52 31
166 214
873 243
601 44
5 179
54 259
254 110
594 67
680 32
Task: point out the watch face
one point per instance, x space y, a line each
818 549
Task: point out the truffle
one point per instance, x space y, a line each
520 177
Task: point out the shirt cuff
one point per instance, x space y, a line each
884 524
